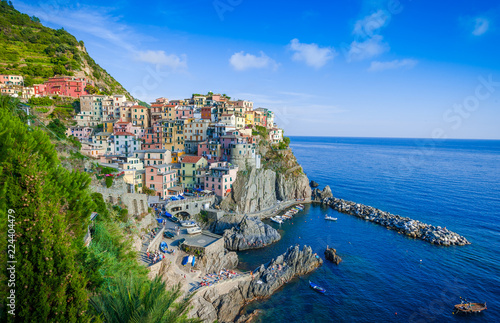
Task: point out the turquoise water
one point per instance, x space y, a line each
384 276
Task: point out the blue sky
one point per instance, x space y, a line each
343 68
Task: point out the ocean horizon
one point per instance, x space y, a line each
385 276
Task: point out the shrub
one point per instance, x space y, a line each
44 101
109 181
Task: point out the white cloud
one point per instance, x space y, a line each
100 23
367 49
241 61
369 25
161 58
311 54
481 26
382 66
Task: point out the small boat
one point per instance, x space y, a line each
276 219
316 287
194 259
331 218
193 230
187 260
163 246
188 224
468 308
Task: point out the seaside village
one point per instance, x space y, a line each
176 156
172 147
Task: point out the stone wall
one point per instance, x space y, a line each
191 205
155 243
117 194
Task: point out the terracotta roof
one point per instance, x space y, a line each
124 134
191 159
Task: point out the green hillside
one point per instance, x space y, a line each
37 52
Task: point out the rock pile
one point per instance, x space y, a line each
404 225
331 254
250 233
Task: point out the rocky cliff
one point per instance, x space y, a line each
215 261
253 190
223 302
250 233
280 178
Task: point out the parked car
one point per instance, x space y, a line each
168 234
174 219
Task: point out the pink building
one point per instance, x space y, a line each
40 89
221 178
210 150
184 112
66 86
82 133
161 178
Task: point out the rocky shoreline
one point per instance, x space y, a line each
225 302
404 225
245 232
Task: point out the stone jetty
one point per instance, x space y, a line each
404 225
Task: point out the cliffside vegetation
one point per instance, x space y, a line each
57 278
37 52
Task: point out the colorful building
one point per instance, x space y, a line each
220 178
192 172
160 178
66 86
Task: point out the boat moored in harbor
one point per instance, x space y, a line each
316 287
331 218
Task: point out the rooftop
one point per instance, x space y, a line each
191 159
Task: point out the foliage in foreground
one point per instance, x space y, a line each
56 276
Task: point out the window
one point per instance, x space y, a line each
219 186
152 170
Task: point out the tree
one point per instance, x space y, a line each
58 128
132 299
48 282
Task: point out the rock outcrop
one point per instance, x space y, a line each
318 195
290 187
258 189
250 233
224 302
268 278
313 184
225 223
252 191
331 254
214 262
404 225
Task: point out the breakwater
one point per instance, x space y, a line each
404 225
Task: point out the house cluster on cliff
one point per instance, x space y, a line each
64 86
174 146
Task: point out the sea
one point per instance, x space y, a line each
385 276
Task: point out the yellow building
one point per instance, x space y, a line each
176 156
140 116
249 118
193 172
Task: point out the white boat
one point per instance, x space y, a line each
188 224
193 230
331 218
276 219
